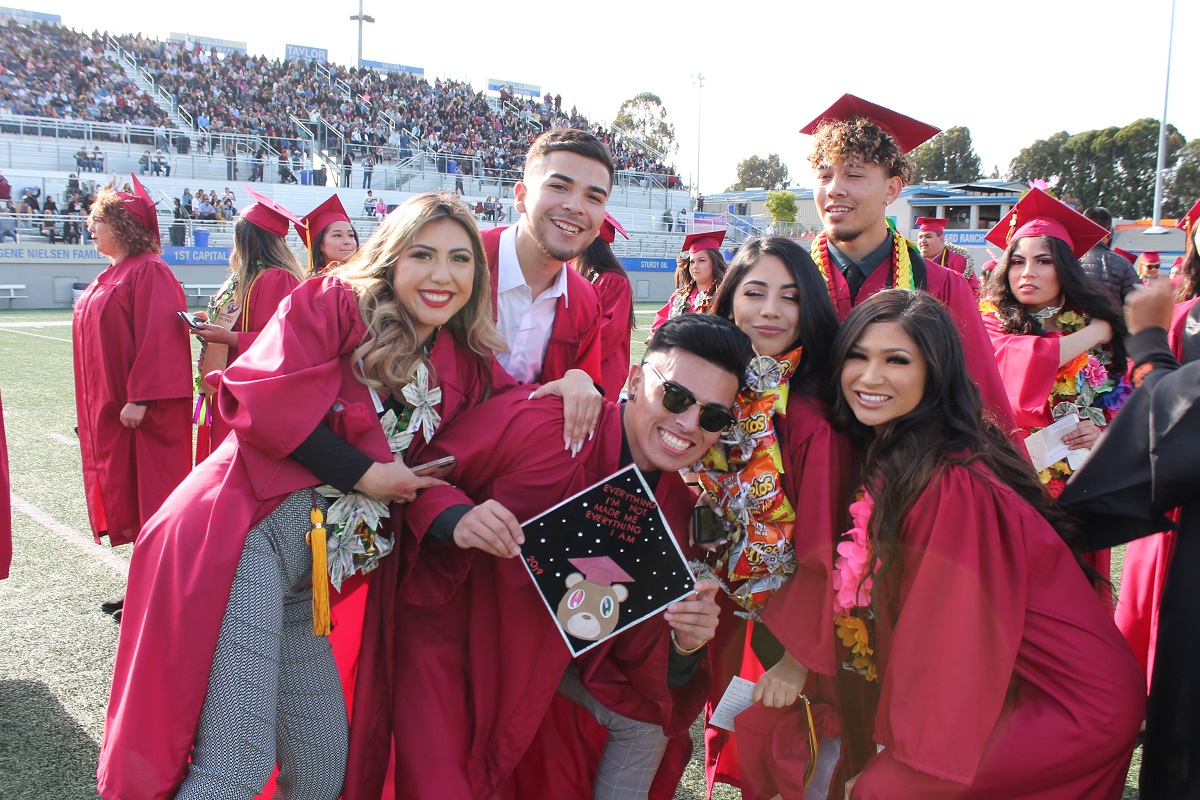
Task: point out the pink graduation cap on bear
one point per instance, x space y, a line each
141 205
600 570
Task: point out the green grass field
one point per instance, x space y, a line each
57 648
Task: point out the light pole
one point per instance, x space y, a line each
1160 167
360 18
698 82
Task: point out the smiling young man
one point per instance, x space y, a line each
509 710
931 241
860 163
547 313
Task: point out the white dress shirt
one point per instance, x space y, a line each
524 321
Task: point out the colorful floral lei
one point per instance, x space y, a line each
355 541
902 274
680 303
853 580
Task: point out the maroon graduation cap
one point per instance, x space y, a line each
1039 214
141 205
933 224
708 240
908 132
610 228
320 218
265 213
1188 221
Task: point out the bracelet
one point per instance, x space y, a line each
681 649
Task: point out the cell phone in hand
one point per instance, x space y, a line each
194 322
707 527
439 468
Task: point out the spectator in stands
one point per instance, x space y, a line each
668 220
381 208
97 158
681 221
5 188
347 168
285 173
1116 275
368 167
206 211
180 211
499 211
144 163
8 223
83 160
230 163
50 220
159 165
187 201
160 137
256 165
369 205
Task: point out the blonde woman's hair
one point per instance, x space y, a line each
255 250
391 351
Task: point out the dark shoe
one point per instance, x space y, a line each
117 616
113 606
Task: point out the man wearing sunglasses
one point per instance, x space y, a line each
477 636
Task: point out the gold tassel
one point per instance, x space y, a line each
811 767
320 572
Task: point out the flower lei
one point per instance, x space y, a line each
1083 386
741 475
355 541
853 579
902 274
681 305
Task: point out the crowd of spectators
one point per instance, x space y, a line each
47 70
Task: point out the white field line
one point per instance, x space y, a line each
74 537
67 440
46 323
38 335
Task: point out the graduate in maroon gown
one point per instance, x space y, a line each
697 278
931 241
778 564
484 645
601 267
1059 342
328 235
860 166
262 271
304 404
1000 673
547 313
5 503
129 387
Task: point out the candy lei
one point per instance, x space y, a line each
853 579
355 541
742 476
902 274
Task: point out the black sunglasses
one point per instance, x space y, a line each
677 400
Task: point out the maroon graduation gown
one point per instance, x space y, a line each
957 263
131 346
267 291
187 555
957 296
1001 672
5 503
575 334
819 480
483 656
616 303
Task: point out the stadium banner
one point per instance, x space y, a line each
967 238
178 256
495 85
301 52
26 17
86 254
210 42
648 264
385 67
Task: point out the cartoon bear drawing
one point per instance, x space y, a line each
591 607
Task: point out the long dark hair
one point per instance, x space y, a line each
1189 286
818 319
684 283
598 259
1079 294
946 428
319 261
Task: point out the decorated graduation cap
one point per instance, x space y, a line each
265 213
932 224
708 240
600 570
908 132
141 205
321 217
610 228
1189 220
1039 214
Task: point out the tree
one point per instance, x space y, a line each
1183 187
761 173
949 156
781 206
1113 167
645 118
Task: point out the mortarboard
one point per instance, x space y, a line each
265 213
934 224
1039 214
908 132
1125 254
1151 257
610 227
320 218
141 205
1188 221
601 570
708 240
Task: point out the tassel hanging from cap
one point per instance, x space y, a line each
320 571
